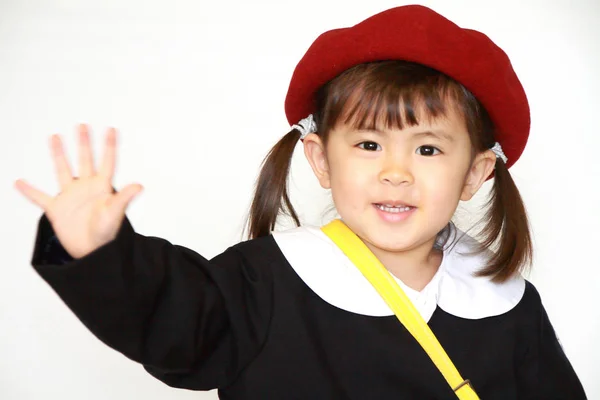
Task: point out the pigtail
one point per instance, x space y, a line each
506 223
271 193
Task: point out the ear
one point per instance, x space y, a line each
480 170
314 150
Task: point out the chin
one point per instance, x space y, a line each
388 244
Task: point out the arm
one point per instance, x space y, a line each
191 322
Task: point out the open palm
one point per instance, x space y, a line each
87 213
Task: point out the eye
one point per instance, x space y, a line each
427 150
369 146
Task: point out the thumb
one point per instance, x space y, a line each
121 200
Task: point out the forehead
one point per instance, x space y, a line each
402 114
393 95
450 133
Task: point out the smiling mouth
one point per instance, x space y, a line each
394 208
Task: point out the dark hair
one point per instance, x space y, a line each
390 93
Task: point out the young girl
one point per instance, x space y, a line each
401 116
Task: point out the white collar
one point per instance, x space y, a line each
332 276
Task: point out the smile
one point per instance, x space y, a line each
393 209
394 213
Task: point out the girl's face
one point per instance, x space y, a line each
397 189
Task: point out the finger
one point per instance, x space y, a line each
119 203
64 173
86 158
35 196
107 168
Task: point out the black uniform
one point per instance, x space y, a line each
286 317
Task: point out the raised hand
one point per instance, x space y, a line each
86 214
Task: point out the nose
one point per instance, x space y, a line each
396 171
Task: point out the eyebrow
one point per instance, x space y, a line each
441 135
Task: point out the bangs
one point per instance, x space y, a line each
390 95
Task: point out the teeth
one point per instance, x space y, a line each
392 209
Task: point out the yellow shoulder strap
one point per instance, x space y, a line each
388 288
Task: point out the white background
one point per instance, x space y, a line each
197 91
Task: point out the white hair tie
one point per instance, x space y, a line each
305 126
497 149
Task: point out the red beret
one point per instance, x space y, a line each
418 34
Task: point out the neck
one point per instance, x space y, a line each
415 267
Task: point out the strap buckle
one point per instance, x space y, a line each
466 382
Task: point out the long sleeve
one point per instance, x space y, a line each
190 322
544 371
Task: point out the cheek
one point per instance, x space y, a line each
443 189
350 183
349 175
345 186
